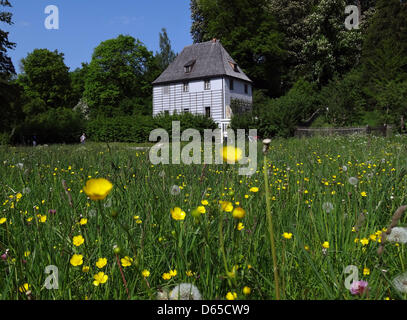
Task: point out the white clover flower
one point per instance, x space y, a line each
327 207
400 282
345 168
353 181
185 291
398 234
20 165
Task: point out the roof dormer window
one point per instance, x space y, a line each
188 66
234 66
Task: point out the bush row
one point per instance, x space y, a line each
137 128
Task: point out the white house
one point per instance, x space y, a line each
202 79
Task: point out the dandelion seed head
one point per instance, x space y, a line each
175 190
353 181
185 291
398 234
400 282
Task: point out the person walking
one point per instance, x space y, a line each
34 141
83 138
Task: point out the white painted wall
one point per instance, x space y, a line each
196 99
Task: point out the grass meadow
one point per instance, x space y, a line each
331 199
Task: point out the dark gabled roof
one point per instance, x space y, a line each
209 59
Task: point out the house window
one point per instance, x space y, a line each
166 90
208 111
207 85
246 88
231 84
185 87
234 66
188 66
186 110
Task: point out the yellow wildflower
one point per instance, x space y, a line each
238 213
231 296
100 278
287 235
76 260
78 240
97 189
126 261
101 263
177 213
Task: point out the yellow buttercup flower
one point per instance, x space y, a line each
145 273
97 189
231 154
76 260
246 290
3 220
204 202
254 189
240 226
226 206
364 241
166 276
231 296
101 263
325 245
85 269
126 261
173 273
100 278
83 221
24 287
287 235
78 240
201 209
177 213
238 213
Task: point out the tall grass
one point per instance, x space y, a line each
310 197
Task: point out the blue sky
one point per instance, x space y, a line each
83 24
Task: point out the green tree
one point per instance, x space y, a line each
291 16
384 60
330 49
6 65
248 32
78 77
198 22
344 100
46 81
166 55
119 77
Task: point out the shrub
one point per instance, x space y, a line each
280 116
137 128
60 125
